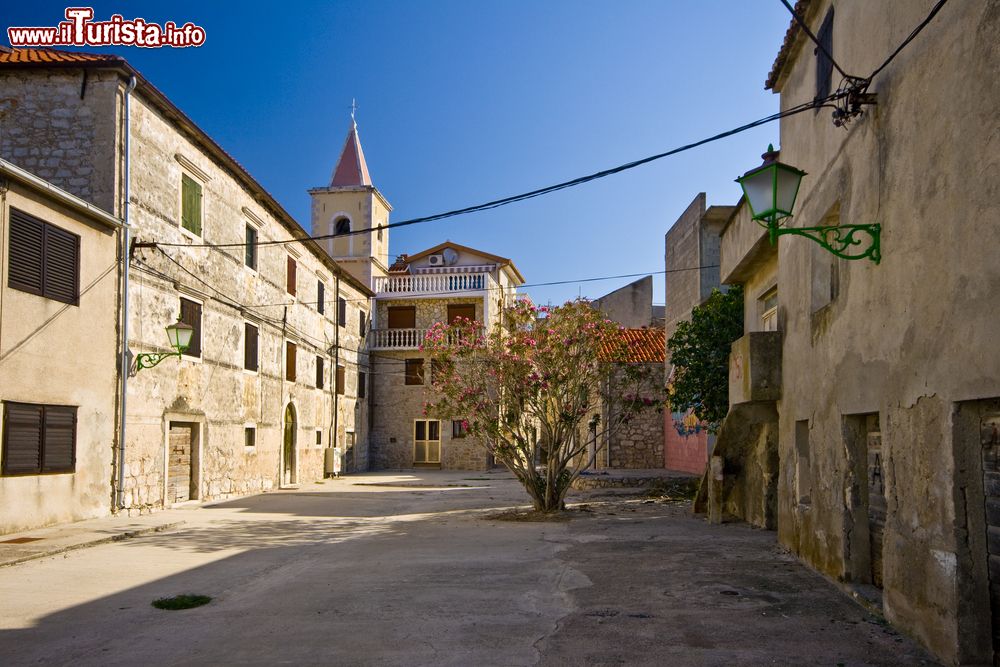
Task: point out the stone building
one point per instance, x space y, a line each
630 306
60 298
888 408
274 376
691 260
437 285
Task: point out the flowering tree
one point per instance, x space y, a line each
530 387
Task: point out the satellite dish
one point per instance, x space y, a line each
450 256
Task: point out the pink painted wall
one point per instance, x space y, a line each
688 452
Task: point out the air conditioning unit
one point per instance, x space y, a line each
436 260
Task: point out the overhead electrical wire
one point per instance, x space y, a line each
819 45
916 31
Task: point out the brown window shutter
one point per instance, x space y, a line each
290 276
362 322
61 278
319 372
320 297
362 384
191 315
402 317
25 252
340 379
22 439
59 445
466 310
290 361
341 311
250 354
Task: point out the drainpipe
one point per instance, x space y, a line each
124 361
336 360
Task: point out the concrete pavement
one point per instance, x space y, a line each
418 569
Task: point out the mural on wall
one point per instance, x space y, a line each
687 423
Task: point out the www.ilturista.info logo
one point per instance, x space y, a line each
80 30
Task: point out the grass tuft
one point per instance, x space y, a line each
188 601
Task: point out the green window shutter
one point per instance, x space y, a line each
191 205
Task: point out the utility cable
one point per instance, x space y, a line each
912 36
819 45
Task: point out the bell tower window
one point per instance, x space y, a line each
342 226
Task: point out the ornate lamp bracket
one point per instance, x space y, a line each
149 360
845 241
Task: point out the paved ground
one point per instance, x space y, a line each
415 570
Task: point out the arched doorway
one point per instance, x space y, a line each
288 453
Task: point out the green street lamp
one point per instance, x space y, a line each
179 334
770 191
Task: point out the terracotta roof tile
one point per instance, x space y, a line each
55 57
645 346
401 265
786 46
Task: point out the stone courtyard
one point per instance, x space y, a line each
428 568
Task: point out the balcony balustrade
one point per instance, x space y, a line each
432 284
397 339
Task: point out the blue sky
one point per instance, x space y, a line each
463 102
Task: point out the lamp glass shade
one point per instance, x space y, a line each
771 188
179 334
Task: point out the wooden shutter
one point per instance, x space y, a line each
824 65
402 317
251 250
320 297
290 276
191 315
290 361
341 311
191 205
340 379
466 310
59 439
362 322
25 251
250 349
61 276
319 372
22 439
362 384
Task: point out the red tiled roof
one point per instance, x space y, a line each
55 57
400 265
786 46
644 346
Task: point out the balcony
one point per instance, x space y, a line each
755 368
397 339
432 284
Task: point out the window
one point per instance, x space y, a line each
320 297
319 372
465 310
362 384
768 304
340 380
38 439
319 437
438 369
290 276
251 253
191 315
341 311
190 204
343 226
250 437
459 428
362 322
290 361
380 232
426 441
824 65
402 317
251 355
44 259
414 371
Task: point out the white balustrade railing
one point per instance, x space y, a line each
434 283
399 339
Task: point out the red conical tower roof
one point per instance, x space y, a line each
351 169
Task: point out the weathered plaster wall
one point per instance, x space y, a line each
910 337
58 354
215 391
630 306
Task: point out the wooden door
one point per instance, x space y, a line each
179 475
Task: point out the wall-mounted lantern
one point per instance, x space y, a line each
770 191
179 334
